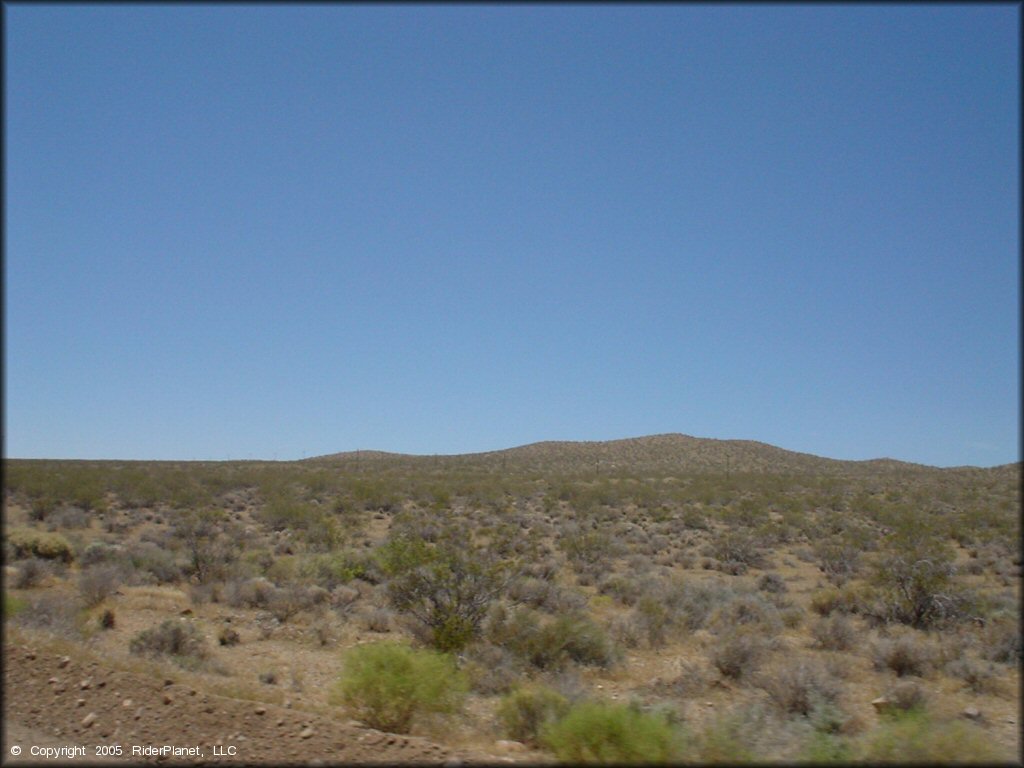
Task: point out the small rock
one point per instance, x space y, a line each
972 713
168 698
31 656
88 720
881 704
85 684
1011 721
193 692
306 733
186 612
80 703
53 680
63 662
127 703
168 682
261 710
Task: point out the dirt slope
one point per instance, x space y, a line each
61 701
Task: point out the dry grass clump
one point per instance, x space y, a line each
978 676
746 610
1000 641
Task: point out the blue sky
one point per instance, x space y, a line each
272 231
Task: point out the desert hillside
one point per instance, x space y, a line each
706 600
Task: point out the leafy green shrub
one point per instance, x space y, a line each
13 606
595 732
526 711
914 737
27 542
177 639
448 587
387 685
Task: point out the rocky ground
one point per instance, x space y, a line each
53 700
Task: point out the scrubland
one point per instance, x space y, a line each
653 600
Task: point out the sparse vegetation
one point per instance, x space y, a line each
788 601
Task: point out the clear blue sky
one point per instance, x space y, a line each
273 232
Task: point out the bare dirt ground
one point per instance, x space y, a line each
52 700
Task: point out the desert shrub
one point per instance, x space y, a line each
914 737
905 653
208 542
177 639
839 560
694 603
107 619
448 587
527 710
333 569
97 583
288 600
834 633
388 685
31 573
154 563
979 677
595 732
654 620
914 577
491 669
905 696
746 610
1000 640
26 542
249 593
727 739
800 686
736 550
587 548
547 644
227 636
67 518
739 655
850 598
377 620
97 552
772 583
54 613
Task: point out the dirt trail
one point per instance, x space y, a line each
54 701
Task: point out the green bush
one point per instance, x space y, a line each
387 685
13 606
447 587
48 546
914 737
595 732
528 709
